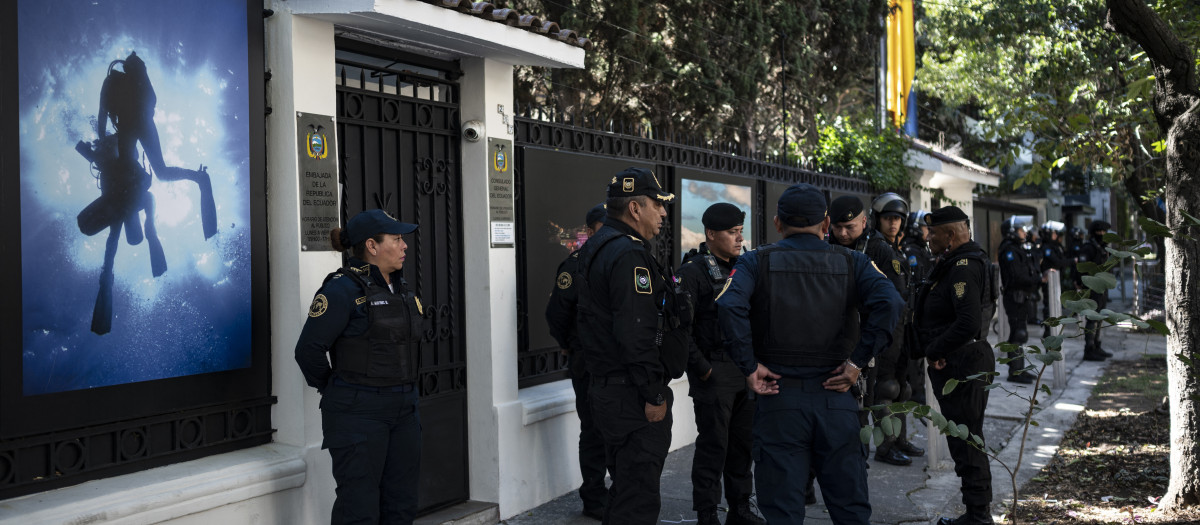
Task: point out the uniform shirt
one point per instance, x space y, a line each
1053 256
890 261
560 311
1018 271
695 279
920 261
337 310
618 319
877 297
949 305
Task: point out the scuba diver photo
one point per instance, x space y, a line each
135 207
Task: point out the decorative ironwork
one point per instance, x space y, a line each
60 459
552 129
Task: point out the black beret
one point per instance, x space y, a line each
632 182
802 205
945 215
845 208
723 216
596 214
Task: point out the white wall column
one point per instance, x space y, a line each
490 291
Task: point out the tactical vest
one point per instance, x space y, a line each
705 331
804 308
386 354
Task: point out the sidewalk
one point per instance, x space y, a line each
920 493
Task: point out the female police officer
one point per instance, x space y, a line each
369 324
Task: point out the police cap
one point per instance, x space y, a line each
845 208
633 182
596 214
945 215
370 223
723 216
802 205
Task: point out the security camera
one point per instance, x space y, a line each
473 130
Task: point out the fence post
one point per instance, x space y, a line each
1054 290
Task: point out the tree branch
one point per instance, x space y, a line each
1173 65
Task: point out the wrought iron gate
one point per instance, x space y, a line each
397 123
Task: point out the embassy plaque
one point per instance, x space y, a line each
318 181
502 216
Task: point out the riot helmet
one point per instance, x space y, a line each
916 219
888 204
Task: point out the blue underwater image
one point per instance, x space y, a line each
134 191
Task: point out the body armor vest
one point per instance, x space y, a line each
804 309
386 354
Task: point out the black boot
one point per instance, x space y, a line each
1090 354
1024 378
894 457
741 514
910 449
973 516
708 517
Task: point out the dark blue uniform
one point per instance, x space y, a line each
951 326
619 300
724 406
1092 251
806 426
560 315
370 420
1021 278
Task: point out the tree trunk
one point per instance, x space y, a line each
1177 109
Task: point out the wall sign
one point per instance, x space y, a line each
318 180
502 216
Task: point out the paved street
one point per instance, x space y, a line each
920 493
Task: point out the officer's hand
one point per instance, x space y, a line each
706 375
939 364
654 414
844 377
762 381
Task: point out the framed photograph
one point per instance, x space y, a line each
133 143
697 191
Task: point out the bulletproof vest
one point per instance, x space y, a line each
990 292
804 308
705 331
676 310
386 354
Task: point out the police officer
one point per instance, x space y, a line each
952 321
1054 257
625 313
724 407
920 261
1033 249
1021 277
1092 250
790 316
884 384
889 211
368 322
560 316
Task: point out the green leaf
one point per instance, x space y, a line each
1154 228
1045 389
977 439
963 431
1088 267
864 435
878 435
1046 359
1096 283
1094 315
922 411
991 386
1034 422
1158 326
1054 341
938 419
1194 221
950 384
1079 306
1112 238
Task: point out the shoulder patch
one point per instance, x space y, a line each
360 300
960 288
564 280
961 262
1008 256
635 239
912 260
641 281
896 266
319 305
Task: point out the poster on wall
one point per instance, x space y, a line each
697 196
134 147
